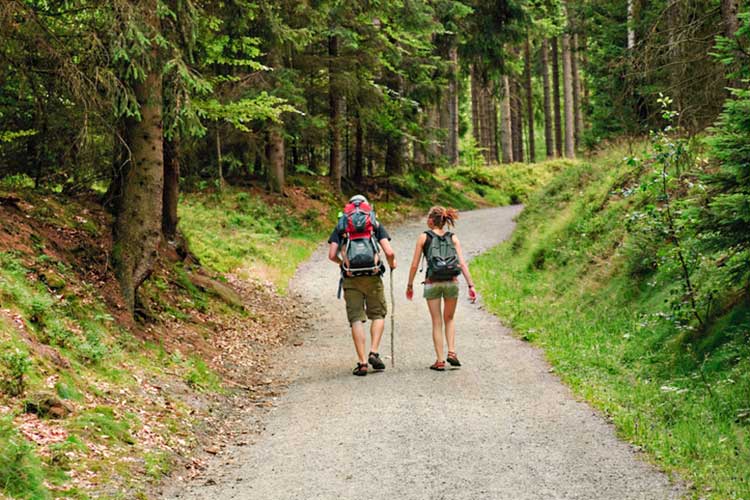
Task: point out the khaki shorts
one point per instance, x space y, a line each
441 290
365 298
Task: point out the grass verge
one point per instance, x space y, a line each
576 281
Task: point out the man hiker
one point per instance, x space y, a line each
355 246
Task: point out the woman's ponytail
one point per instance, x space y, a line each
440 216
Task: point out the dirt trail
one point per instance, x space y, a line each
501 427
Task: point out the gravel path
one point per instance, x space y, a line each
501 427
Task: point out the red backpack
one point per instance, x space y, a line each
361 255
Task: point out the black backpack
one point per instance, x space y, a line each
441 256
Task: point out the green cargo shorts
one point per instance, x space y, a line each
441 289
365 298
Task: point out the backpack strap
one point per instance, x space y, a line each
425 249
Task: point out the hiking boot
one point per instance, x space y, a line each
376 362
360 370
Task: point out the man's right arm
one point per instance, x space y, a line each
333 253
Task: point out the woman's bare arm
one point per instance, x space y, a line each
415 259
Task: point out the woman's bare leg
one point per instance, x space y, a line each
450 324
437 326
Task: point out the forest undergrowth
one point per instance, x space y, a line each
610 272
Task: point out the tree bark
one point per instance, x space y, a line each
577 105
171 192
548 121
516 121
219 167
359 150
494 151
444 124
729 10
475 106
453 107
568 99
276 156
506 134
335 114
394 154
631 24
485 125
529 99
433 130
556 97
137 227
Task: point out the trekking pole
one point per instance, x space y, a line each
393 322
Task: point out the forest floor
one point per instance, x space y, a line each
501 426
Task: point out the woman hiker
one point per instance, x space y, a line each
445 261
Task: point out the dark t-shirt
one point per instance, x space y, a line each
339 238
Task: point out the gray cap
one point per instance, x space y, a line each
358 198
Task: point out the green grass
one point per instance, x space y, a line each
235 231
574 280
500 185
21 472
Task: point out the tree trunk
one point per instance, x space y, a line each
548 125
394 155
171 193
584 87
433 130
556 98
506 134
359 150
631 24
516 121
137 227
219 168
475 106
485 125
729 10
578 112
275 155
494 153
453 107
336 101
444 123
529 100
568 100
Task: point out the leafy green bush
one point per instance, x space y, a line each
14 365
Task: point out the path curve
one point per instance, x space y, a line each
501 427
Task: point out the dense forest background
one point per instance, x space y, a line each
142 98
151 148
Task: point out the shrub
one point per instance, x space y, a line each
14 365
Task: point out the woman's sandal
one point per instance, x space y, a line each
438 366
360 370
453 359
